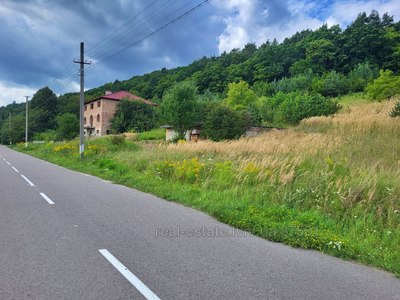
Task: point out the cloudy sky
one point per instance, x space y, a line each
40 38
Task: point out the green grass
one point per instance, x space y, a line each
351 99
341 200
155 134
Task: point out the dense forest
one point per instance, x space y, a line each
306 69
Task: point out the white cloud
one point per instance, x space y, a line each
246 22
10 92
344 12
258 21
238 21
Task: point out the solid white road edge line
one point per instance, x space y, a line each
140 286
46 198
15 169
27 180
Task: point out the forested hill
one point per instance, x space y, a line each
305 68
370 38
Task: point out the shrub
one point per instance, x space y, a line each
299 106
222 123
117 139
48 135
384 87
330 84
360 76
133 115
396 110
67 126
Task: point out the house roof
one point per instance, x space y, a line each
117 96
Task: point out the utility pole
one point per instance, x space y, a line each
82 63
9 122
26 122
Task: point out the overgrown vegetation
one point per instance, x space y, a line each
133 116
331 183
258 82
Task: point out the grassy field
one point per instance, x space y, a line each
331 183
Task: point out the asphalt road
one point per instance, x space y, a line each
63 235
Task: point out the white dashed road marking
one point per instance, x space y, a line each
140 286
27 180
45 197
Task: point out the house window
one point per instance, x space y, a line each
84 119
98 104
91 105
91 121
97 131
85 107
98 117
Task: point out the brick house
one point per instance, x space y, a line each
99 111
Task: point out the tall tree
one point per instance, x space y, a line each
133 115
240 96
43 110
179 107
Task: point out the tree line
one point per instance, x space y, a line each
274 84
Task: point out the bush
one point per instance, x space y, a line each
67 126
360 77
48 135
300 82
222 123
298 106
117 139
385 86
133 115
396 110
330 84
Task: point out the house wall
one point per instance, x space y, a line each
106 111
170 134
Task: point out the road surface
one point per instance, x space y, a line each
67 235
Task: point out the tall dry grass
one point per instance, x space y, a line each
317 134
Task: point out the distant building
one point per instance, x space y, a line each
99 111
190 135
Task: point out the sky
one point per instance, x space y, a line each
40 39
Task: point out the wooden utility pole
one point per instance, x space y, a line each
10 128
26 122
82 63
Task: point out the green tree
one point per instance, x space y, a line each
360 76
45 99
133 116
223 123
179 107
17 133
43 110
385 86
240 96
67 126
330 84
321 54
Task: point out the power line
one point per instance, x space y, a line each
118 29
125 34
66 76
152 33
